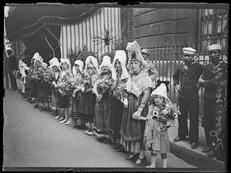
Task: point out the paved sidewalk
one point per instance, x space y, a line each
196 157
35 139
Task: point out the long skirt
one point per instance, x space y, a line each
32 87
77 107
88 108
54 97
117 108
63 101
132 130
102 114
43 92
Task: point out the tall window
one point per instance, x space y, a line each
213 25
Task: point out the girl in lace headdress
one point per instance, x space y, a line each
63 88
91 73
54 66
103 91
138 90
77 95
43 89
119 95
31 82
160 116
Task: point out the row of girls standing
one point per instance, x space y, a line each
117 100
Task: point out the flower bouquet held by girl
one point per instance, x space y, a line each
48 76
104 86
65 86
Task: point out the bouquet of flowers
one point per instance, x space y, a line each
38 73
119 91
33 74
41 71
86 81
104 86
75 86
17 74
65 87
48 76
168 114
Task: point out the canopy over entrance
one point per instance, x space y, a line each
38 26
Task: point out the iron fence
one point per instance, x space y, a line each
166 60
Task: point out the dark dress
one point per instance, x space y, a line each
103 109
117 108
43 91
102 114
64 100
77 104
54 93
88 109
77 100
31 85
89 98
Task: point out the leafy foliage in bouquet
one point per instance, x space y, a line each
104 86
17 74
65 87
48 76
34 74
87 81
119 91
79 54
168 114
41 70
77 84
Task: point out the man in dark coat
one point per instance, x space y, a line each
186 83
12 66
213 89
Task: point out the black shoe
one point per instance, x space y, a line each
205 149
179 139
132 157
193 145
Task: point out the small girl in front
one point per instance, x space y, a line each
160 116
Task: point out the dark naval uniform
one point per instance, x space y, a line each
188 99
209 101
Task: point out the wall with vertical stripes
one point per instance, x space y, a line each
77 35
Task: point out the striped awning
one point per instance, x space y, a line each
25 20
